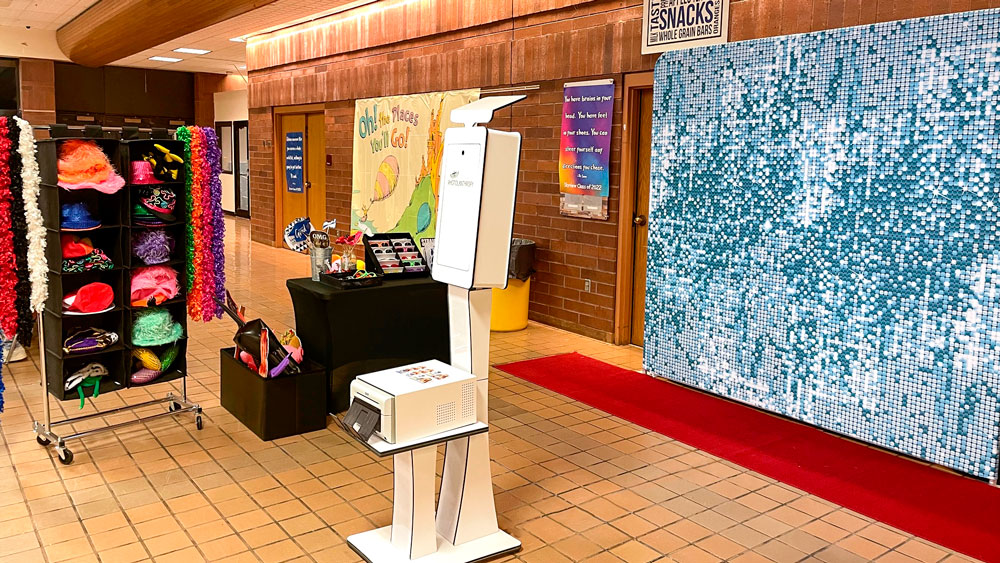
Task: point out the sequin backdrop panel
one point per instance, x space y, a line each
823 231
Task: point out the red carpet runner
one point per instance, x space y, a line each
957 512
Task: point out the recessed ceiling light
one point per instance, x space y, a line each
190 51
242 67
238 40
166 59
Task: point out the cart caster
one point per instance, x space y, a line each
65 456
174 407
198 423
42 441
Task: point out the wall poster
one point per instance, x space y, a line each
681 24
398 142
585 149
293 161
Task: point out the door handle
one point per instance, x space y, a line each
639 220
309 185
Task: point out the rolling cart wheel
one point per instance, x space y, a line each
174 407
198 423
42 441
65 456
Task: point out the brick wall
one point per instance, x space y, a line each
478 43
339 175
261 144
569 250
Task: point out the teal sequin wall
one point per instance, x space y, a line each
824 238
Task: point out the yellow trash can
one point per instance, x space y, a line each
510 306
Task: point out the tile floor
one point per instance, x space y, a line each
572 483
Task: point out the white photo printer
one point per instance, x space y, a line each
411 402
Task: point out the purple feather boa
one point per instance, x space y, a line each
214 214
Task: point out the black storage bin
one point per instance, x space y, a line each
274 407
522 259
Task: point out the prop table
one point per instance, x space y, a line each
356 331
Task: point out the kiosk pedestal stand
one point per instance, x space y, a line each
475 221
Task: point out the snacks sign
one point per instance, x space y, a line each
681 24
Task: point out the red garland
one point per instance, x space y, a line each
207 274
197 185
8 274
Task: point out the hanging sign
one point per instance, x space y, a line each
681 24
585 149
293 162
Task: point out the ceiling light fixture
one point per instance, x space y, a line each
238 40
166 59
190 51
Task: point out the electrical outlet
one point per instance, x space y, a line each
586 285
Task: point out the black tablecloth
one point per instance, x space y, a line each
356 331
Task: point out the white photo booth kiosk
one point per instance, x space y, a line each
472 251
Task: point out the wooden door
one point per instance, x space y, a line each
316 168
640 219
311 201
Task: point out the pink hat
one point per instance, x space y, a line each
153 285
83 165
142 173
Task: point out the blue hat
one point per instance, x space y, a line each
76 217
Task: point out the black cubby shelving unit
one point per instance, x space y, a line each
114 237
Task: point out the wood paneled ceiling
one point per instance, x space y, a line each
114 29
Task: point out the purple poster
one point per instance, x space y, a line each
585 149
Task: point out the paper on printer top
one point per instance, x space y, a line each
414 377
422 374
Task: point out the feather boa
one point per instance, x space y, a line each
218 223
8 267
19 228
184 134
3 356
206 228
37 263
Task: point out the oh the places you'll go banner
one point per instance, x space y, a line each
398 142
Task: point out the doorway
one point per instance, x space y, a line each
241 169
640 218
633 231
303 135
235 175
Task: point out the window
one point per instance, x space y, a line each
225 133
9 89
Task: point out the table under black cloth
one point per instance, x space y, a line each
356 331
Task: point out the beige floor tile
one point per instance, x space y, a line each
277 552
189 555
921 550
222 547
663 541
209 531
635 552
167 543
263 535
67 550
125 554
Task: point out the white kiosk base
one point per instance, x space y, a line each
375 546
413 535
